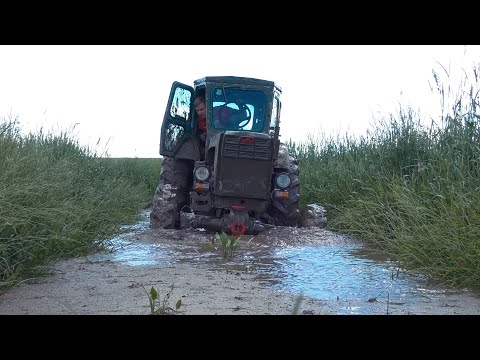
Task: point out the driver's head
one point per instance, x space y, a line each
200 108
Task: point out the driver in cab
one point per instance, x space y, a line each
227 116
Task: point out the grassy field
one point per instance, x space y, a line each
408 189
59 199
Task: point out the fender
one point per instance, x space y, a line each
189 150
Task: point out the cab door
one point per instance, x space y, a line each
177 121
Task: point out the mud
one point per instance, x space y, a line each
268 274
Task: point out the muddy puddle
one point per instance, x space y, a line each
308 262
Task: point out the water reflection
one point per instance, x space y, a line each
336 273
126 251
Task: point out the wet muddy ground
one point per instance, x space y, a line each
267 274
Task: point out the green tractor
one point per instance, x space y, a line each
242 177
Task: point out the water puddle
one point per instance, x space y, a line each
126 250
354 283
342 274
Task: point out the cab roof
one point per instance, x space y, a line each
236 80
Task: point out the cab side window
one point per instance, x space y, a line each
274 119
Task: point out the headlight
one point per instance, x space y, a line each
201 173
283 181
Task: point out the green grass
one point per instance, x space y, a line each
406 188
57 199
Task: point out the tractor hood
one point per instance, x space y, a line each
243 165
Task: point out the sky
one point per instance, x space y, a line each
113 97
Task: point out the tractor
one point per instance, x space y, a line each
242 178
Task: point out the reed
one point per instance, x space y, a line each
410 189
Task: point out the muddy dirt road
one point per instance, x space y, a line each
265 276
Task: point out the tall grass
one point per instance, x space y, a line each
143 172
58 198
408 188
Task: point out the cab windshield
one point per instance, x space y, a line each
235 109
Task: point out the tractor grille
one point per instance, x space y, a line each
258 149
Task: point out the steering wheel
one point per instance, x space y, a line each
244 110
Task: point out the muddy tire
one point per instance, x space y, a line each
285 212
172 193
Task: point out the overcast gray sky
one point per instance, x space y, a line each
118 93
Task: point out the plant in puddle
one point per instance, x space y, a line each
296 306
229 244
158 307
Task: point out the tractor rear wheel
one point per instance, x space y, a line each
172 193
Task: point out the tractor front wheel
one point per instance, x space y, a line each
285 212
